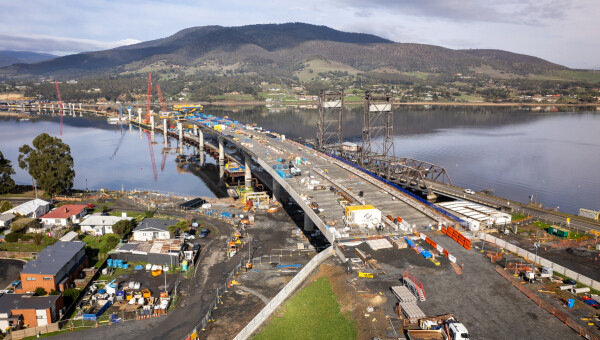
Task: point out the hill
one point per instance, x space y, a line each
292 49
14 57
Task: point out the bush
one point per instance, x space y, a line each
37 238
148 214
26 237
40 291
123 227
49 240
70 295
54 292
5 205
12 237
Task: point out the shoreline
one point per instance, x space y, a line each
262 103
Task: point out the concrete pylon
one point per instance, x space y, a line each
180 133
139 111
276 190
308 223
247 173
151 121
221 151
129 113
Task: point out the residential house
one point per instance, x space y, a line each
34 208
56 267
6 219
63 214
150 229
26 310
99 225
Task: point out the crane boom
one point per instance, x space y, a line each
60 103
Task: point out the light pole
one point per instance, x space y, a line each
536 245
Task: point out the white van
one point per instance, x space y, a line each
457 331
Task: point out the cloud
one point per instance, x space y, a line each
56 45
508 11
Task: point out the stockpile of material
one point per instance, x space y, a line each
403 294
399 243
379 244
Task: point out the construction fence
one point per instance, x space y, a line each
546 306
276 302
540 261
33 331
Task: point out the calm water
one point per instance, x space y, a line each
105 156
517 153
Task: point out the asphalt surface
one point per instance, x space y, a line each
480 298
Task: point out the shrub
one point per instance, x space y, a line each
54 292
40 291
12 237
37 238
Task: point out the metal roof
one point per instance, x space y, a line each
29 207
154 223
53 258
99 220
6 217
66 211
10 302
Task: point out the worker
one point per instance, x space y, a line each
248 266
462 266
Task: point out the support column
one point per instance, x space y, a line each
248 173
166 132
129 109
308 223
276 190
139 111
152 127
221 156
180 132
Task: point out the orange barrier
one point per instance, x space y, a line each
458 237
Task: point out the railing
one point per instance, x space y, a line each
546 306
274 304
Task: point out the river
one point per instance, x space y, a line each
552 156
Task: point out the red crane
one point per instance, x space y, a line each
149 98
60 105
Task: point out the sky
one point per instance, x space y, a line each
560 31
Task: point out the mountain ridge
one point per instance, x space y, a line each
281 50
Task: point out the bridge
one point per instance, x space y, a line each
384 172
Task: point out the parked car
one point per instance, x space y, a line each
469 191
569 282
204 233
187 236
196 247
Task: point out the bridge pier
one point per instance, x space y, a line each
247 173
180 133
308 223
165 132
201 145
140 128
276 190
129 109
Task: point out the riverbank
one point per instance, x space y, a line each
428 103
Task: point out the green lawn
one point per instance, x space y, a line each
518 217
313 313
18 246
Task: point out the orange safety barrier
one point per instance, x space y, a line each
446 253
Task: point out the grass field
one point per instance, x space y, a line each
313 313
319 65
19 246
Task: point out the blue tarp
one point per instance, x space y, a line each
289 266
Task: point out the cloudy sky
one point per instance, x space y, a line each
561 31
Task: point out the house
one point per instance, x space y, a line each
150 229
56 267
26 310
99 225
6 219
63 214
34 208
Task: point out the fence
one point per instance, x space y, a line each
208 316
540 261
282 295
33 331
18 254
546 306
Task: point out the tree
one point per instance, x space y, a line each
122 227
183 225
54 292
6 182
12 237
37 238
49 163
5 205
40 291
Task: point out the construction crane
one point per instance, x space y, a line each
60 104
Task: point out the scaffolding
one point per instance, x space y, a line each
329 124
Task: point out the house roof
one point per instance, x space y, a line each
99 220
10 302
53 258
154 224
29 207
65 211
6 217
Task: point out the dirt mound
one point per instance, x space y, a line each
582 252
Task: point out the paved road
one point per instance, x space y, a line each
196 295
